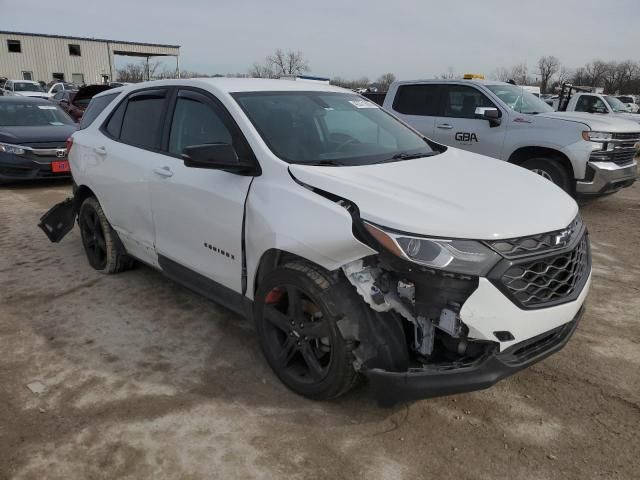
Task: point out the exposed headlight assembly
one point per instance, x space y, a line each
14 149
591 136
467 257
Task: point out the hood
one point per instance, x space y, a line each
633 117
32 94
455 194
598 122
89 91
43 134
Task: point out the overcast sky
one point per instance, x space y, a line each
411 38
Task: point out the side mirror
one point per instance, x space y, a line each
215 156
491 114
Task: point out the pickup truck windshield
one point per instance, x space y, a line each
616 105
27 87
519 99
329 128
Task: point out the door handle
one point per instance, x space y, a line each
100 150
445 126
163 172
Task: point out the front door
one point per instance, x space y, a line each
458 127
198 212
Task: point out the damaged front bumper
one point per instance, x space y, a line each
458 377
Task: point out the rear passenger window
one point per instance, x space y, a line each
95 108
196 123
417 100
461 101
142 119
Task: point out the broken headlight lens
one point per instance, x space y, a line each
467 257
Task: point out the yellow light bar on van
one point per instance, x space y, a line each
473 76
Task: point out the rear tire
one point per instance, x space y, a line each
551 169
99 241
299 336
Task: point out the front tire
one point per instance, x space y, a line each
98 239
550 169
299 336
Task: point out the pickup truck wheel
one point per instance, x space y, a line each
98 239
550 169
298 335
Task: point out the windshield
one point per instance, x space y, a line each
519 99
330 128
27 87
615 104
13 114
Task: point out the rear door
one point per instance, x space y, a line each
457 125
124 155
198 212
417 105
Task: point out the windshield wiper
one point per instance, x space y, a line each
321 163
407 156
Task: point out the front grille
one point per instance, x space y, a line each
535 244
635 136
550 280
623 152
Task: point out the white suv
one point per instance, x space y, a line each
356 245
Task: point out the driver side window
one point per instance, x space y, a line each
196 123
461 101
589 103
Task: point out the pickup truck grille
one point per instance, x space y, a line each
634 136
551 280
624 150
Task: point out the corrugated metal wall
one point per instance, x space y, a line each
44 56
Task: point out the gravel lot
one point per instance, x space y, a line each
140 378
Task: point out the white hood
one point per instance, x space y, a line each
598 122
31 94
454 194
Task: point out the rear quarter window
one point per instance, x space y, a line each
420 99
95 108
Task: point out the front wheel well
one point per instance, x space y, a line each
523 154
272 259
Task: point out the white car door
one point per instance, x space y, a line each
417 104
458 127
198 212
122 157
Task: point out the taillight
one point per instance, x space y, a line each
68 144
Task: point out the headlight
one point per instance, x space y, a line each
8 148
590 136
467 257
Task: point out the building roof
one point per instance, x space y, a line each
87 39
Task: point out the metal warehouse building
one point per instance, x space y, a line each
34 56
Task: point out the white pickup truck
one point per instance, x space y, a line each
586 155
597 103
356 245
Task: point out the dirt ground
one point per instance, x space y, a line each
140 378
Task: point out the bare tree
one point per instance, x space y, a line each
289 63
279 64
260 70
385 80
518 73
501 74
595 72
362 82
548 67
